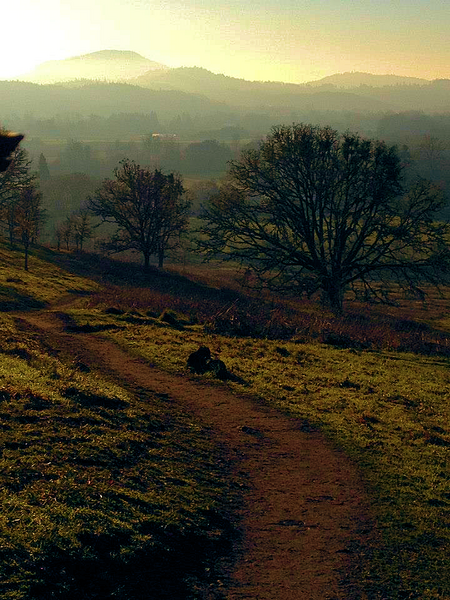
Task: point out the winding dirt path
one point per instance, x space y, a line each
306 505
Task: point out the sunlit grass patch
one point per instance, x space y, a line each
43 283
389 411
104 491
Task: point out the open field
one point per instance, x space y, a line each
376 381
105 491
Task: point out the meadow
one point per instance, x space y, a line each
375 380
106 492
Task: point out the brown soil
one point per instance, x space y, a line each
306 510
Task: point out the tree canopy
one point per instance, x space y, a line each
28 218
147 207
8 143
314 211
21 210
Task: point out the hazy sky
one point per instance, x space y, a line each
282 40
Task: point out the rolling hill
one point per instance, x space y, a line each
106 65
114 81
355 79
264 95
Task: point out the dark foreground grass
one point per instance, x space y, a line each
376 381
106 492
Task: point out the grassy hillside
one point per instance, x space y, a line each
75 470
376 381
105 491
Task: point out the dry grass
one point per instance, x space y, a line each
106 492
217 299
375 379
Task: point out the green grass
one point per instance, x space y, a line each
105 491
389 410
95 464
43 283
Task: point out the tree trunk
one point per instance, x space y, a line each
161 258
26 246
334 295
146 261
11 225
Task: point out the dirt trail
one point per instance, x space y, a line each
306 505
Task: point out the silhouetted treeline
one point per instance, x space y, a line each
103 99
225 127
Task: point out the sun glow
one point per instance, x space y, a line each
275 40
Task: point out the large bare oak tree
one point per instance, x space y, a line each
314 211
148 208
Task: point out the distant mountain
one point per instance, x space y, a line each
356 79
191 78
340 92
106 65
255 94
193 89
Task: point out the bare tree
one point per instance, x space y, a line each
147 207
66 231
431 154
58 236
82 228
312 211
13 180
28 217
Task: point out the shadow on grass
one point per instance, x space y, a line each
232 313
11 299
87 328
88 399
170 570
120 273
71 326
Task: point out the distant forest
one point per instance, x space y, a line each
95 144
77 133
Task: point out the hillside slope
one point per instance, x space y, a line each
106 65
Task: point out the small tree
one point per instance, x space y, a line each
44 172
82 229
28 218
76 157
65 230
12 181
311 210
147 208
58 233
